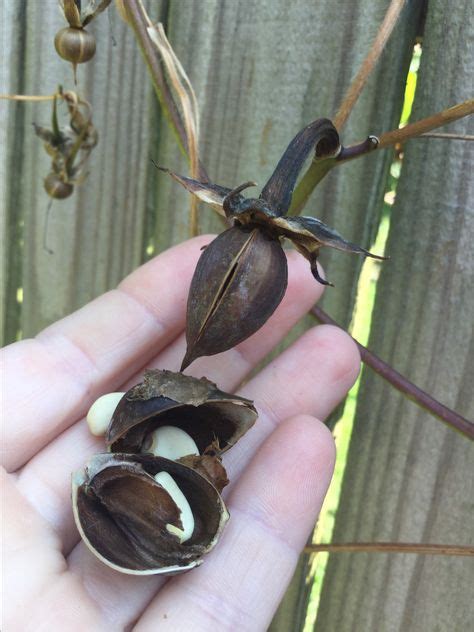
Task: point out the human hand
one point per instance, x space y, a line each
279 471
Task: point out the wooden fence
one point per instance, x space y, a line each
262 70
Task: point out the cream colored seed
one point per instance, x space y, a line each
172 443
101 411
186 515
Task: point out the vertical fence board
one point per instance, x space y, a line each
408 477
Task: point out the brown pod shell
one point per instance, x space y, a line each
239 281
75 44
57 188
121 513
197 406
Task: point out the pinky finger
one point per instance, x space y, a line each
273 508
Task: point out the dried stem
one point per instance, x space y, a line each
427 124
138 21
401 383
447 136
183 111
186 104
392 547
30 97
356 87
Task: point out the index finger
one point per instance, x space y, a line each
51 381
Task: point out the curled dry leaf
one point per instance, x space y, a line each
127 518
241 276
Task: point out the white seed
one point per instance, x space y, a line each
101 411
172 443
187 519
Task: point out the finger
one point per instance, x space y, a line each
273 509
38 587
51 381
311 377
47 486
327 364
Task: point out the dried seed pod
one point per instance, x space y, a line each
239 281
210 416
75 44
56 188
132 523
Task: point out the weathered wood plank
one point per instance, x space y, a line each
407 476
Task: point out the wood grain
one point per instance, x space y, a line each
408 477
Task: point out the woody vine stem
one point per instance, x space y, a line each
140 23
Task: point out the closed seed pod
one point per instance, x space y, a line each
129 520
75 44
211 417
56 188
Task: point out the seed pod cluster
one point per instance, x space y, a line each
153 503
68 145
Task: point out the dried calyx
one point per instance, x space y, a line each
241 276
153 505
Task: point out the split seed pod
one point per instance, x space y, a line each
127 519
241 277
215 420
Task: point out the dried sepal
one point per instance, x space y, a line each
196 406
320 136
122 513
211 194
239 281
309 234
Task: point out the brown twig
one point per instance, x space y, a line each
401 383
412 130
447 136
391 547
356 87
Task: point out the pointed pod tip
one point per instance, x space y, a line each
189 357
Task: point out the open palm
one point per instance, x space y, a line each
279 471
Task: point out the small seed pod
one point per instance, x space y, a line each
145 515
56 188
214 420
75 45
